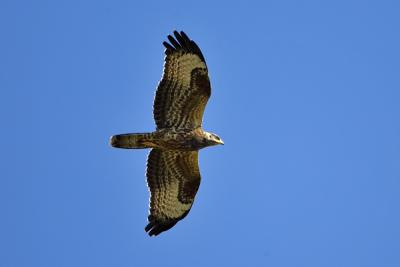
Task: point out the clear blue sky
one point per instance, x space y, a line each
306 95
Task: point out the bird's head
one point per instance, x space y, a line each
213 139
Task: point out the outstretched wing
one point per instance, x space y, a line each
184 89
173 178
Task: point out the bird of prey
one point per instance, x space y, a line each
173 174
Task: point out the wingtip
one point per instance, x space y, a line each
154 228
168 46
184 35
148 227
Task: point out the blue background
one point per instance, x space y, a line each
305 95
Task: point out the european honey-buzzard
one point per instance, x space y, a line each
173 174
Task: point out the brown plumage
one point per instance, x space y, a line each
173 174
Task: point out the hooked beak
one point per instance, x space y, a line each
221 142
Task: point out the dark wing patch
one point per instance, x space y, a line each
184 89
173 178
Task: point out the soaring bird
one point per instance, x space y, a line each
173 174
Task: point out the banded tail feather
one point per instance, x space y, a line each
132 140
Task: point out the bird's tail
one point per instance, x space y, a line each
132 140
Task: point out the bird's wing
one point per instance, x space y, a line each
173 178
184 89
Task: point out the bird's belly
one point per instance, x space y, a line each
186 141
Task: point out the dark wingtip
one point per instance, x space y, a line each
182 42
197 50
185 37
167 45
148 227
174 42
156 227
169 48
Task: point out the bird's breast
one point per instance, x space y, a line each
186 140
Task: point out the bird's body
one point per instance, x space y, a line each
170 138
173 174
